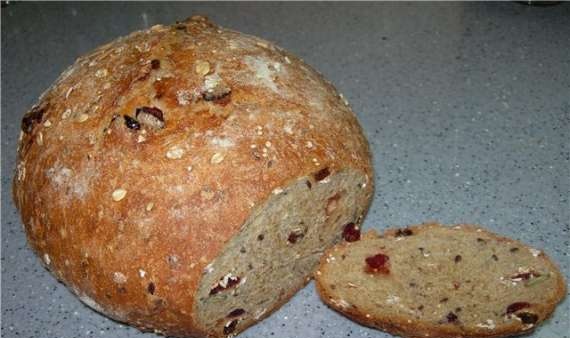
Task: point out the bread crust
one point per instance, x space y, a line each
413 328
128 215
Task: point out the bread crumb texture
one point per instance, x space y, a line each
438 281
147 156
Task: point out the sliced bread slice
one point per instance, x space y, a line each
437 281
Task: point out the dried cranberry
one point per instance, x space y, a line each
404 232
295 236
150 288
457 259
378 264
155 64
351 232
527 317
31 118
231 282
514 307
236 313
451 317
132 123
230 327
321 174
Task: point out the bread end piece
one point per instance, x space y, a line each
440 281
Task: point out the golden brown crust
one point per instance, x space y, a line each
117 209
413 328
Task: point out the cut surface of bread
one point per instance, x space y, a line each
437 281
267 261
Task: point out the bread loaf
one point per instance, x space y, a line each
444 282
186 179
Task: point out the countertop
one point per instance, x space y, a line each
466 107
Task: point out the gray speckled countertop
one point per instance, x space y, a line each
466 106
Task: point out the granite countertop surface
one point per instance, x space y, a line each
466 107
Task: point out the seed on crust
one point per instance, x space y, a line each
103 72
82 117
66 114
175 153
119 194
119 278
202 68
217 158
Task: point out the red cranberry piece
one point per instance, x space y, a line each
514 307
378 264
404 232
294 237
155 64
351 232
527 317
451 317
230 327
321 174
132 123
32 118
236 313
151 288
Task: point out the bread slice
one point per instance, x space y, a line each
436 281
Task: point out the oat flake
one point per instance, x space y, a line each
119 194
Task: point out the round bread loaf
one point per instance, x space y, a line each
186 179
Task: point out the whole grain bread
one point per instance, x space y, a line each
186 179
436 281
